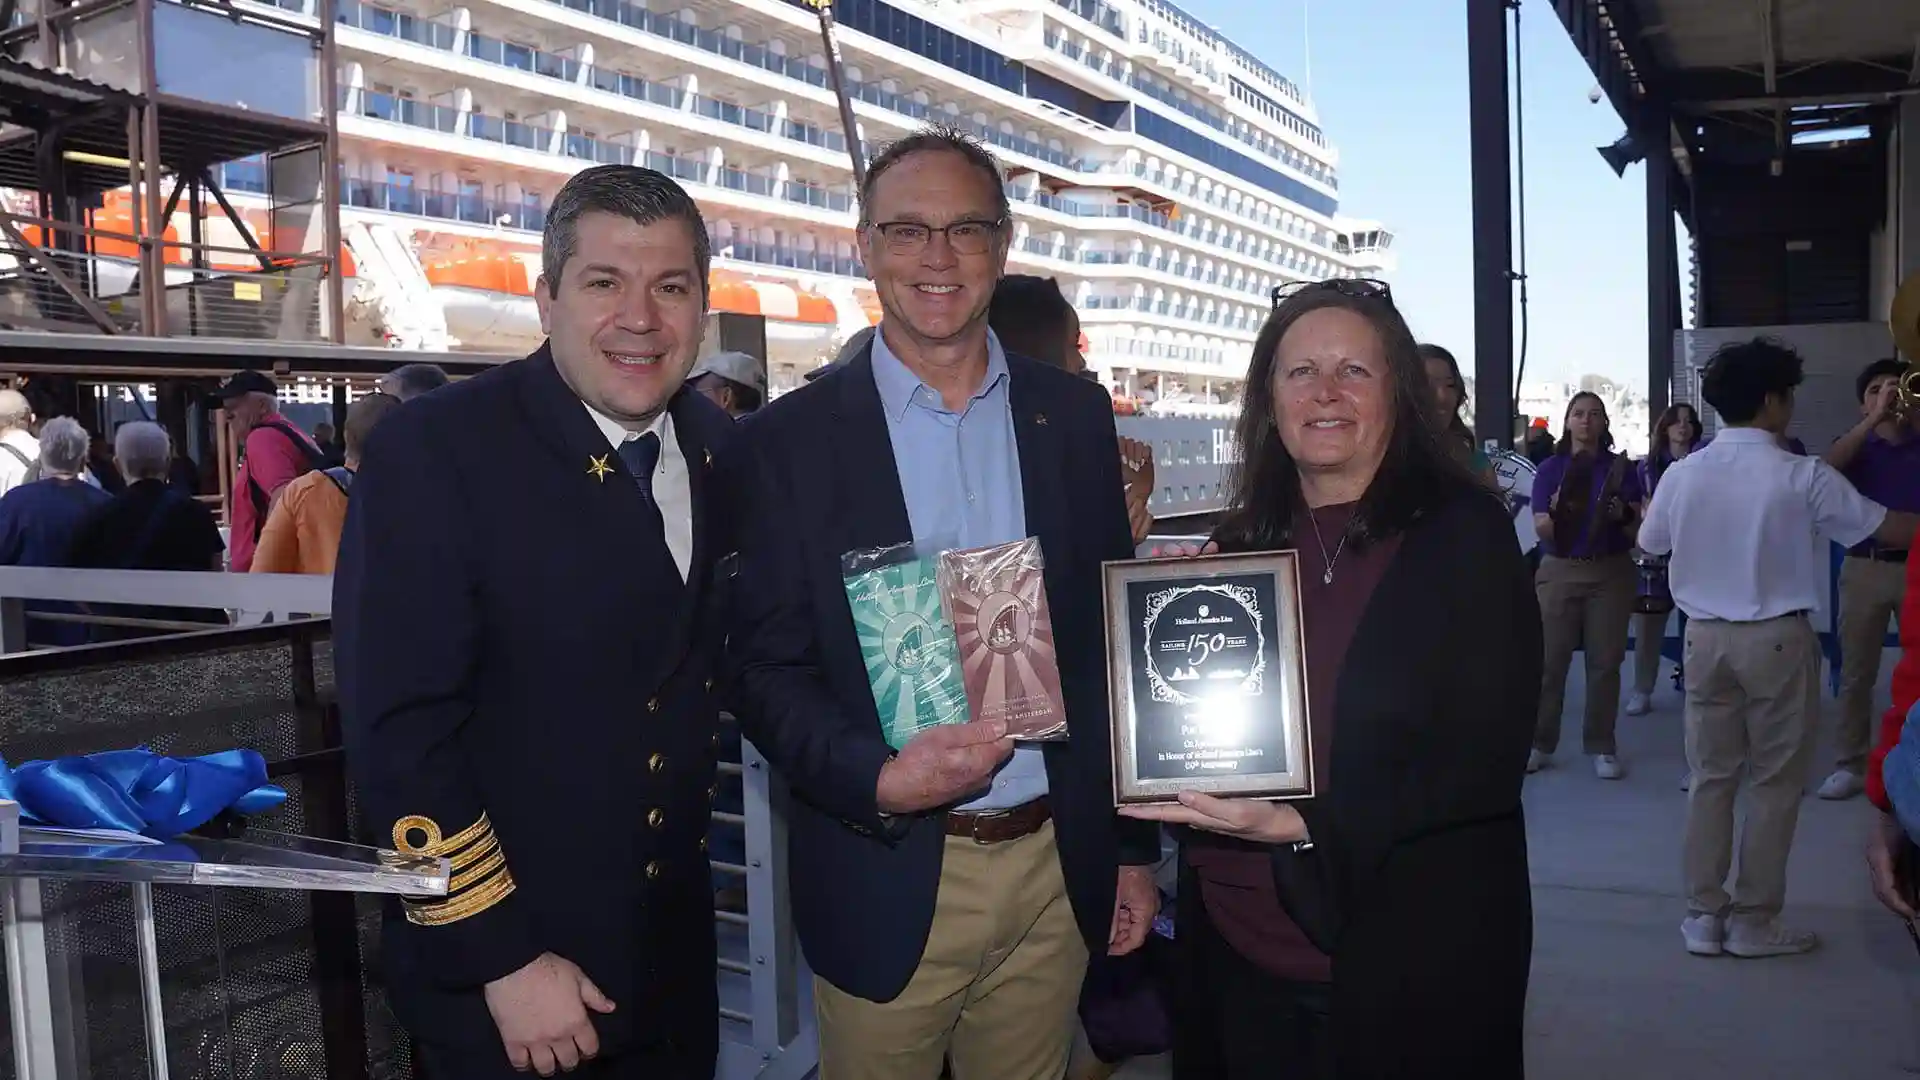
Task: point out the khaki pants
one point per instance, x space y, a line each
997 992
1650 633
1584 604
1752 692
1870 593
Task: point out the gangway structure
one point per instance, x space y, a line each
117 115
1785 135
391 292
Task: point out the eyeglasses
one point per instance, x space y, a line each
972 237
1359 288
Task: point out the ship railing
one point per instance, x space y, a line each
57 275
765 1015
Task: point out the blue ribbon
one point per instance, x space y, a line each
139 791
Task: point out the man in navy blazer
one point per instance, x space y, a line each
526 657
947 894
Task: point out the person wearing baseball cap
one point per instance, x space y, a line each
273 453
732 380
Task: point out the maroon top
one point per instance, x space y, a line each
1236 877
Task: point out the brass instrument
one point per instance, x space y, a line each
1906 401
1903 320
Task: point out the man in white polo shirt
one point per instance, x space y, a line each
1740 519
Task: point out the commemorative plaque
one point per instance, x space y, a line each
1206 677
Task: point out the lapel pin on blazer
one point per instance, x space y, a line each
1040 418
598 468
709 458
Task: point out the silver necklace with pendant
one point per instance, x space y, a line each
1327 578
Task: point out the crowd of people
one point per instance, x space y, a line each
535 695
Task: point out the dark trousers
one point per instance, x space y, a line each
486 1059
1233 1020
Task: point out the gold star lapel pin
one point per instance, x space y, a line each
598 468
709 455
1040 418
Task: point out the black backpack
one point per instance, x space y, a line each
311 458
33 467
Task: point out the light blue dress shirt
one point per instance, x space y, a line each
960 473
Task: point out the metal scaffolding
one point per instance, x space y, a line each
120 114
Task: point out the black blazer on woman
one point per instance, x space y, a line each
1416 881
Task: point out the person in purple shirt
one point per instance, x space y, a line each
1586 502
1881 456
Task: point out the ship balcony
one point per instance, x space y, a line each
510 73
1183 186
1237 321
653 40
1060 256
1207 238
449 133
477 215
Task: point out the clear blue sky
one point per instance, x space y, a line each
1390 80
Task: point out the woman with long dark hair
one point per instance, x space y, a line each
1586 505
1382 928
1675 435
1449 394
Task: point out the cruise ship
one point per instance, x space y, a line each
1168 178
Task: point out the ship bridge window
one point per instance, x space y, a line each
1177 136
889 24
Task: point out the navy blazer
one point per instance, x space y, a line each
816 477
528 690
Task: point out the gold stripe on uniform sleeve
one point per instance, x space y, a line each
478 868
473 875
465 905
431 843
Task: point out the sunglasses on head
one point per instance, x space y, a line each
1359 288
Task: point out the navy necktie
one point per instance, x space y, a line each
641 456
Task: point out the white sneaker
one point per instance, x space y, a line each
1538 760
1771 938
1638 704
1607 767
1843 784
1705 935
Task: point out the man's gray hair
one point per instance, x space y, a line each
144 450
15 410
63 446
936 138
642 196
409 381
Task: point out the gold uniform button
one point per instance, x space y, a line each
703 843
712 791
709 684
653 704
656 762
655 817
653 870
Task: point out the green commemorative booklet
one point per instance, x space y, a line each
906 639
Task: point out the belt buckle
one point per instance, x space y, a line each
990 815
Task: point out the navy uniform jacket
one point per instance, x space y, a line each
816 476
527 689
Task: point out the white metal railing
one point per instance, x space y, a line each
771 1037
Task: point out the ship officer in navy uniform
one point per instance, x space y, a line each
526 665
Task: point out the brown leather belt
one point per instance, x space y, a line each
1000 826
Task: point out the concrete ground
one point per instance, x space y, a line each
1613 992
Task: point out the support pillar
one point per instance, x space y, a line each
1663 273
1487 107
